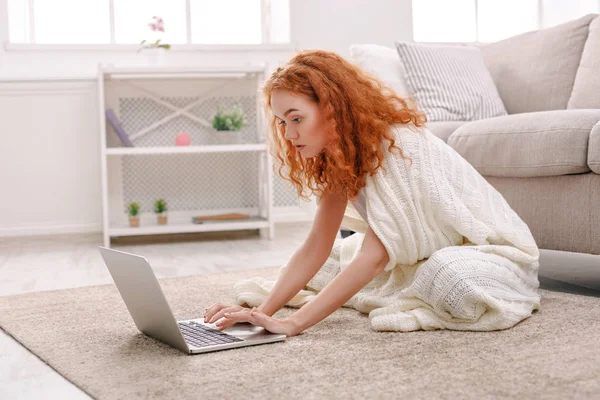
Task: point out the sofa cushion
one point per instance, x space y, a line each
443 129
535 71
383 63
546 143
586 89
594 149
450 83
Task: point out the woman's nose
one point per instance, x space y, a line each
291 134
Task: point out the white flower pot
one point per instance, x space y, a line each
229 137
154 56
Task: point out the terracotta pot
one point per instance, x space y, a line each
162 219
134 222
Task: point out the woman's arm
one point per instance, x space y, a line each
311 255
369 262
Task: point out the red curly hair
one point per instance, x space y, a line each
358 110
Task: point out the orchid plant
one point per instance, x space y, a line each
157 24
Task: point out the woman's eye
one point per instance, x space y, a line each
296 120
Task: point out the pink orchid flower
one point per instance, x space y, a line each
157 24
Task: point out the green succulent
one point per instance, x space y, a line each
233 121
134 209
160 206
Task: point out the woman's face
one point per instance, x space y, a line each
303 121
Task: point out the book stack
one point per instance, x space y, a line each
219 217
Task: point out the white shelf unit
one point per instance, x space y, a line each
219 172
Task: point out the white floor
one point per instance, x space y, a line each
60 262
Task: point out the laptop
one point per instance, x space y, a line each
152 315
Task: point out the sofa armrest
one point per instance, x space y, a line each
547 143
443 129
594 149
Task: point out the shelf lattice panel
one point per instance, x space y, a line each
283 193
199 182
137 113
191 181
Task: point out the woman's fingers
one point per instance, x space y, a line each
225 315
219 314
244 315
225 323
257 318
210 313
212 310
232 317
215 317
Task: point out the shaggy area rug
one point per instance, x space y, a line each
87 335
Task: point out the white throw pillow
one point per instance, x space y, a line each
383 63
450 83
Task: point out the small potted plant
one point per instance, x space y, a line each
160 208
154 49
134 214
229 122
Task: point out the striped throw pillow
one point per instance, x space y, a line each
450 83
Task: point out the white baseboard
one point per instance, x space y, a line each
95 227
50 229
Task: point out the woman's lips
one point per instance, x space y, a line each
300 147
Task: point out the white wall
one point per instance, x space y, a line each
49 151
336 24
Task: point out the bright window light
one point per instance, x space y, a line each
559 11
454 20
132 18
443 20
502 19
280 21
18 27
89 21
226 21
71 21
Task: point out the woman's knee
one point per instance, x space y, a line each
448 282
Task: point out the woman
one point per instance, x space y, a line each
436 247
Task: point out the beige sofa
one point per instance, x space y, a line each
544 157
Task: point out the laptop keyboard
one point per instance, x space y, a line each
202 336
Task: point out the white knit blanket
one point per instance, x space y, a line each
460 257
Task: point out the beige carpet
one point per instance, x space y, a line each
87 335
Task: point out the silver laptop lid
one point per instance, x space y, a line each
143 297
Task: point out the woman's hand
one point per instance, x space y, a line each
258 318
216 311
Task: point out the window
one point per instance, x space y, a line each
559 11
126 21
491 20
214 21
132 18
